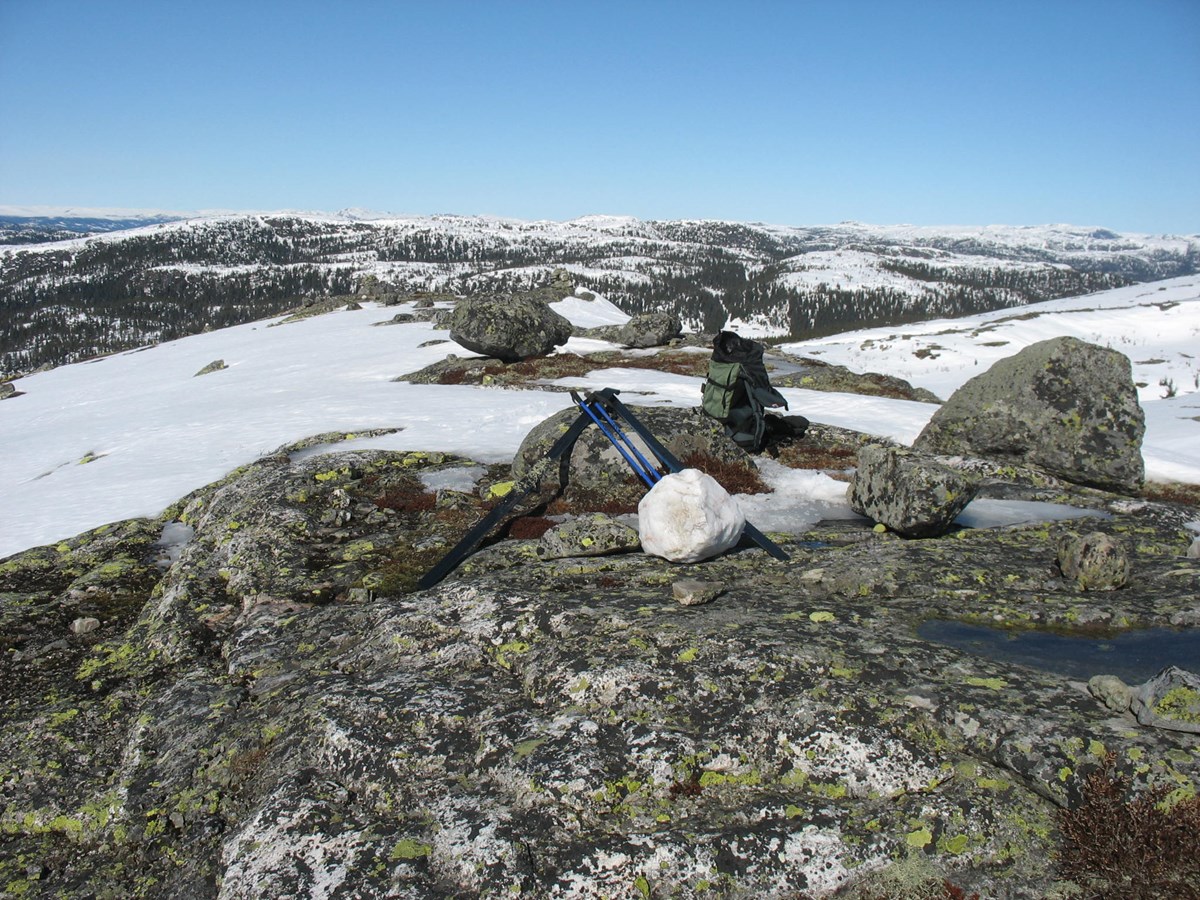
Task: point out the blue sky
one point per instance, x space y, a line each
962 112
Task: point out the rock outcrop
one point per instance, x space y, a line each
215 366
509 328
1064 405
817 375
268 708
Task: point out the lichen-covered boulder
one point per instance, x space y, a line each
509 328
1095 562
646 330
910 493
6 390
1064 405
595 475
595 535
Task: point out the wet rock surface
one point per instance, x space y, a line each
277 713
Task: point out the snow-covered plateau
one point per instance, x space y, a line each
129 434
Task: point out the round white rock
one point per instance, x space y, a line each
688 517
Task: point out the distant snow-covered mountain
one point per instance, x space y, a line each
41 224
84 294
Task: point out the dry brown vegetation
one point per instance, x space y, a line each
1131 849
529 527
1172 492
735 478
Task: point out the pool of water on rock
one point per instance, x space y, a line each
1133 656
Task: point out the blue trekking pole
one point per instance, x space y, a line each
649 467
645 473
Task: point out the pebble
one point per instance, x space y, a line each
84 625
694 592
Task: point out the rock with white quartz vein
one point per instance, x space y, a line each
688 517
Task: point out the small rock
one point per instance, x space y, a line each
596 535
215 366
1095 562
1193 552
84 625
1111 691
694 592
1186 618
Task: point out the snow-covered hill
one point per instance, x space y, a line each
166 279
129 434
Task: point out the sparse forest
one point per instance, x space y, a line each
71 300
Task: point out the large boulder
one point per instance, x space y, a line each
508 328
1064 405
596 476
642 331
908 492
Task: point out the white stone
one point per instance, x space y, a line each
84 625
688 517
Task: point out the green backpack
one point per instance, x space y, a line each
738 390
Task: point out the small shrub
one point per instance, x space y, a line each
578 503
830 459
1134 849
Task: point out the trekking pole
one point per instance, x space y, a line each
463 548
644 473
650 467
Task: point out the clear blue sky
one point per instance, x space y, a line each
914 111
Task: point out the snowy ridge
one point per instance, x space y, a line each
1026 239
